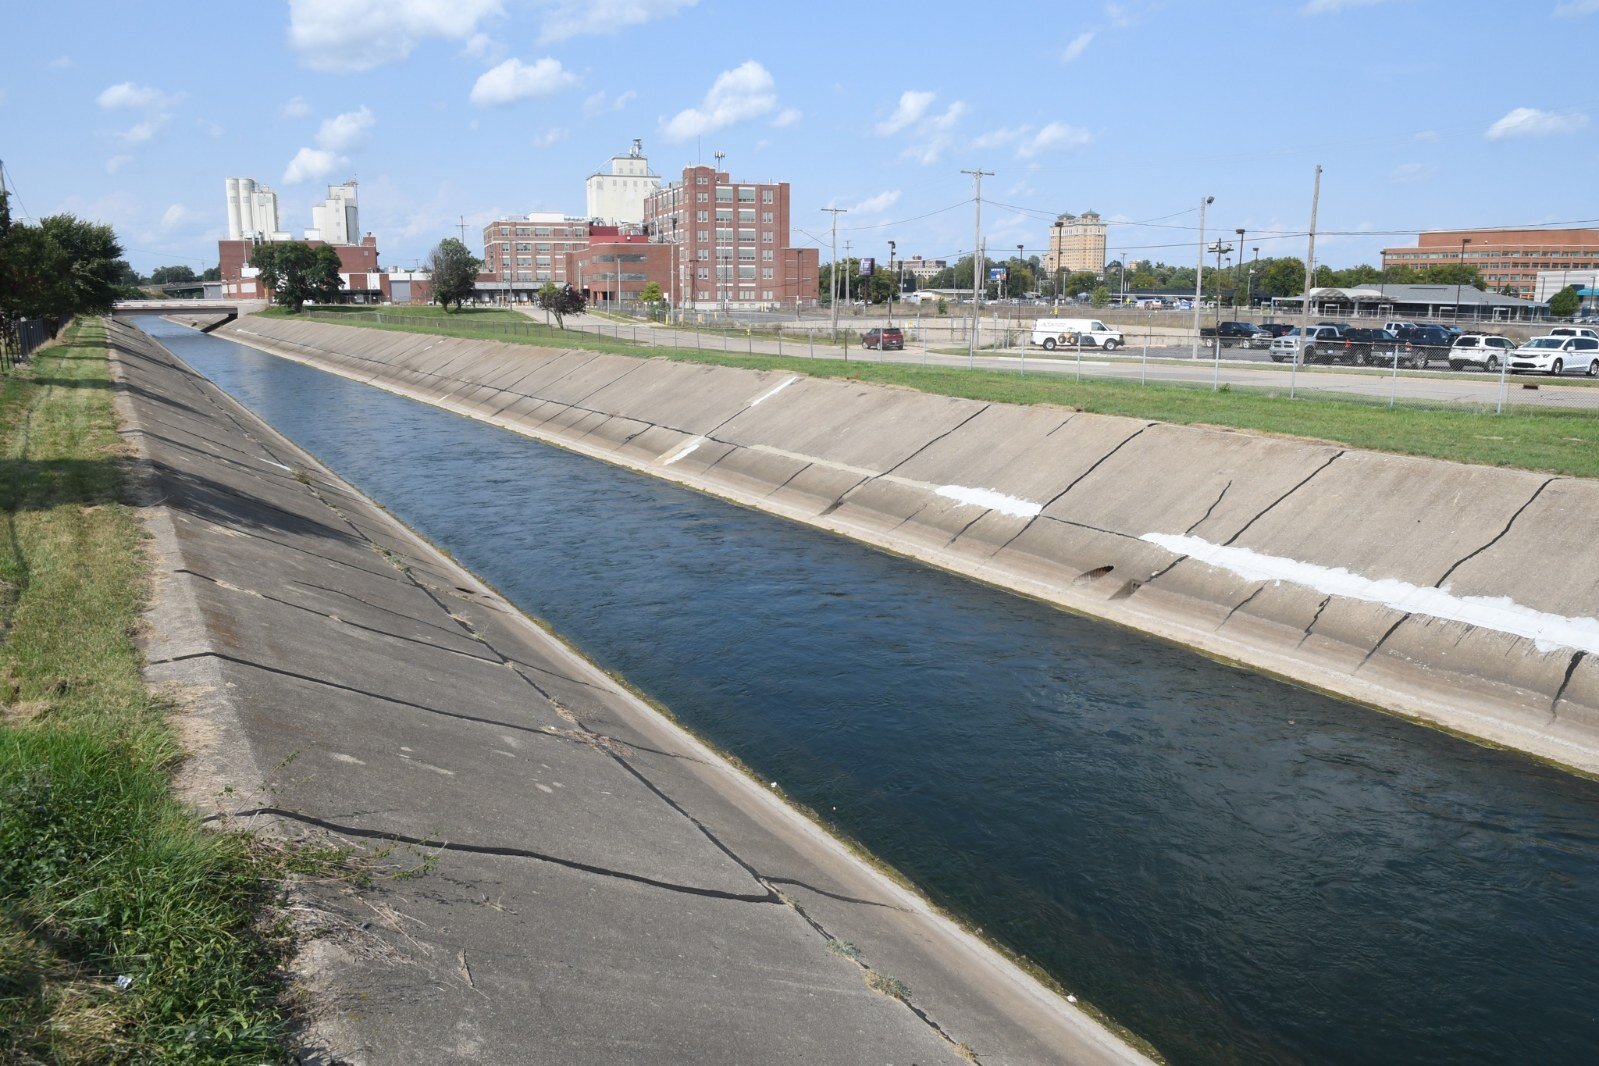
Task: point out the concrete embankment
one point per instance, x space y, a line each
1462 596
587 882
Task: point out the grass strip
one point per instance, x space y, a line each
1554 441
103 873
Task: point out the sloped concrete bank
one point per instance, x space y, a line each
1457 595
584 882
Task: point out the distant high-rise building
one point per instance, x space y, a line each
1076 242
336 220
252 211
618 197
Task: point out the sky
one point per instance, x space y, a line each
1424 114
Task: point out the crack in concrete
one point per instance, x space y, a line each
1211 509
769 896
1074 483
1314 619
1240 606
1500 536
1284 496
1571 668
935 440
1375 647
1063 425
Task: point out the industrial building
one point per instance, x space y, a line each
1509 259
618 197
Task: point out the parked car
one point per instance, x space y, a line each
1485 351
1276 329
1426 343
1371 347
1573 331
1242 334
1556 355
889 339
1397 328
1320 342
1052 333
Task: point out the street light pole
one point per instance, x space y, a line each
1460 276
832 275
977 243
1240 269
1199 272
891 295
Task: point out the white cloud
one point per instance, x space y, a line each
935 136
211 129
600 103
1572 9
1054 136
140 132
175 216
1328 7
1530 122
346 132
1000 137
874 204
348 36
745 92
554 135
1409 173
566 19
296 108
787 117
913 104
116 163
514 80
60 63
309 164
136 97
952 114
482 47
1077 47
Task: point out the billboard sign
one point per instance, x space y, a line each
868 267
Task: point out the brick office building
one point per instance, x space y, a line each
358 269
1076 242
594 270
731 243
1504 257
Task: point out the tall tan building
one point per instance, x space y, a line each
1076 242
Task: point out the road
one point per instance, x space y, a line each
1239 368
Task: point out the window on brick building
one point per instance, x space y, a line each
766 196
724 194
766 217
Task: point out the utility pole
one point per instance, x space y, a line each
846 270
891 247
977 242
832 275
1310 278
463 229
1199 272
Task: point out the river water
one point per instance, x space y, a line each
1236 869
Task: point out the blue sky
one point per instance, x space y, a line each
1425 114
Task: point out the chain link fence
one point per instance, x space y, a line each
1160 351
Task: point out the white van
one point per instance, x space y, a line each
1574 331
1052 333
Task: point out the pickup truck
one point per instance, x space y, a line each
1321 343
1241 334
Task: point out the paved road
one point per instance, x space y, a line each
1240 368
590 884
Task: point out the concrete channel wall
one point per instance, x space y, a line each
1462 596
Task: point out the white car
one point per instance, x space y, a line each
1479 350
1557 355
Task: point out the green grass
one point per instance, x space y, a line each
1560 442
102 872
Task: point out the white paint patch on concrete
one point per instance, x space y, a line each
341 757
544 788
1499 613
1014 506
773 392
683 452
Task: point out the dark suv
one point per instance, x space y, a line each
889 339
1426 343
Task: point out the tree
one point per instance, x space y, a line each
170 274
1101 295
455 271
298 273
1564 303
212 274
652 296
1080 283
561 302
1281 277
